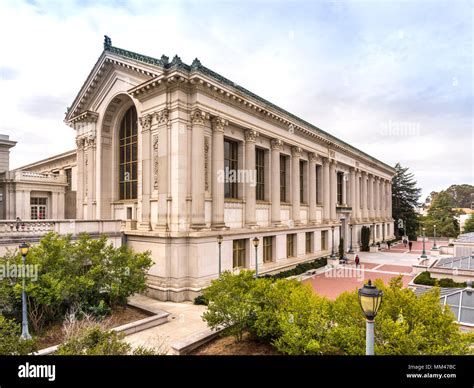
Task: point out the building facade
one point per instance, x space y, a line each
185 155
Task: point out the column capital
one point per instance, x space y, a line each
251 135
296 151
198 117
313 157
218 124
276 144
145 121
325 161
162 116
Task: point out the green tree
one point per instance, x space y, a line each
469 224
365 238
10 341
88 274
405 196
230 302
441 214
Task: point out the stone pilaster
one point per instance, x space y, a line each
295 184
198 120
377 198
218 125
312 187
145 176
365 209
333 191
276 146
326 192
352 192
160 167
371 197
250 199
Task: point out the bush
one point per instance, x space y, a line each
10 341
299 269
200 300
365 238
88 274
425 278
230 303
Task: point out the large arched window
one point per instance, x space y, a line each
128 155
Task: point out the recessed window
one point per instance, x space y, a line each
324 240
267 249
290 245
231 165
309 242
340 182
238 253
260 167
128 155
282 178
38 208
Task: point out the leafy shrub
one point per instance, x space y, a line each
88 274
10 341
300 268
425 278
200 300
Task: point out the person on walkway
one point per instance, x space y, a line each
405 242
410 244
18 222
357 261
388 244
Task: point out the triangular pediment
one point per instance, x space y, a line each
109 68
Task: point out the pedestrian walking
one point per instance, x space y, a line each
18 222
388 244
410 244
357 261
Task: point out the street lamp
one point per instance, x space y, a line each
423 254
24 247
434 238
350 247
255 244
370 298
219 241
333 254
373 234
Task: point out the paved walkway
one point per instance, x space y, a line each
184 320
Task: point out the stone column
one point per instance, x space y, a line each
377 198
145 124
352 192
218 125
198 119
312 187
389 200
365 210
333 190
357 214
80 178
295 184
250 200
326 191
161 154
371 197
344 189
277 146
383 205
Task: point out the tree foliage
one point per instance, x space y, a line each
441 214
469 224
365 238
461 195
405 196
88 274
10 341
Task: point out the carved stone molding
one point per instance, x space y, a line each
218 124
198 117
206 163
80 143
296 152
162 116
145 122
155 161
251 135
277 144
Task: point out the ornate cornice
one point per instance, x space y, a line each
251 135
277 144
86 117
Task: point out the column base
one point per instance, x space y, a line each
277 224
144 226
199 226
160 227
220 226
252 226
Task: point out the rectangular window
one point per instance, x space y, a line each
324 240
282 178
68 172
340 182
38 208
238 253
319 194
309 242
231 167
302 168
267 249
290 245
260 167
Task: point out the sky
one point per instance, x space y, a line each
392 78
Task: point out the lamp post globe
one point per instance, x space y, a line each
434 238
219 241
370 299
423 254
24 248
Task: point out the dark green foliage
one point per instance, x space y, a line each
469 224
425 279
300 268
365 238
10 341
341 248
200 300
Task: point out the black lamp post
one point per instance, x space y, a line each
434 238
373 234
350 247
24 247
370 298
219 241
333 254
255 244
423 254
383 232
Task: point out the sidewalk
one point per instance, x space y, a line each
184 320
